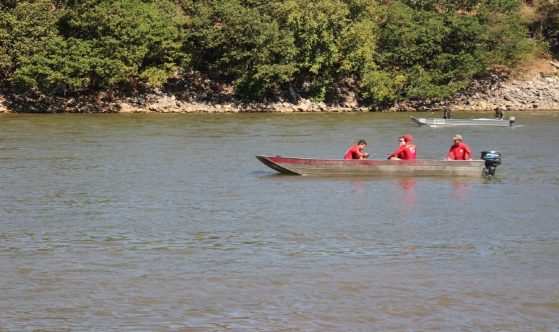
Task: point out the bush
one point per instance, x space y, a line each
548 24
110 44
385 51
25 30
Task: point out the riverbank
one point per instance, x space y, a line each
537 89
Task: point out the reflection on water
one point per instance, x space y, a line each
408 188
168 223
460 189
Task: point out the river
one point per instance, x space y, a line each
153 222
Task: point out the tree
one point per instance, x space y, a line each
25 30
548 23
435 53
111 44
383 51
335 41
237 42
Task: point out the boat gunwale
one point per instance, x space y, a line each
368 161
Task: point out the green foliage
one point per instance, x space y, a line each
107 45
5 58
63 65
426 50
502 6
436 54
506 39
447 6
333 39
385 51
25 29
548 23
241 44
381 86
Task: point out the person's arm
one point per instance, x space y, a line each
362 155
397 152
467 152
450 155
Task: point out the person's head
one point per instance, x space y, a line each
457 139
401 140
406 139
362 143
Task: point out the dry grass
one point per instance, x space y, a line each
528 13
534 67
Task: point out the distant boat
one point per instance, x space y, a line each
337 167
436 122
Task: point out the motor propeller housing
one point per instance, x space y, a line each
492 160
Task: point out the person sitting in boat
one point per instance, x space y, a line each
356 151
459 150
406 150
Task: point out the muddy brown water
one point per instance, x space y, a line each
168 223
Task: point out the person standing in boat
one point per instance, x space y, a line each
459 150
356 151
499 113
406 150
447 113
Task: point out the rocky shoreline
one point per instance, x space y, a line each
540 92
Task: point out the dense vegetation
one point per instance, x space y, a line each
546 23
381 50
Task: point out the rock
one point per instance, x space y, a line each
164 103
515 94
3 107
128 108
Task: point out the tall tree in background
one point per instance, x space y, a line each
108 45
26 28
381 51
239 42
548 23
433 49
334 40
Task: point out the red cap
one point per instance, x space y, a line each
408 138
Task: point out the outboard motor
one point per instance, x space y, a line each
492 160
512 120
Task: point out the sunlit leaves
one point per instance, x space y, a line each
383 51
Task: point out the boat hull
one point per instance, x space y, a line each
435 122
336 167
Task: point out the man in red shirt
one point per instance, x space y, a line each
356 151
459 150
406 150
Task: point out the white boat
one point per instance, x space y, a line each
437 122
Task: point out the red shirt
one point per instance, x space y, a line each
460 151
353 153
404 152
